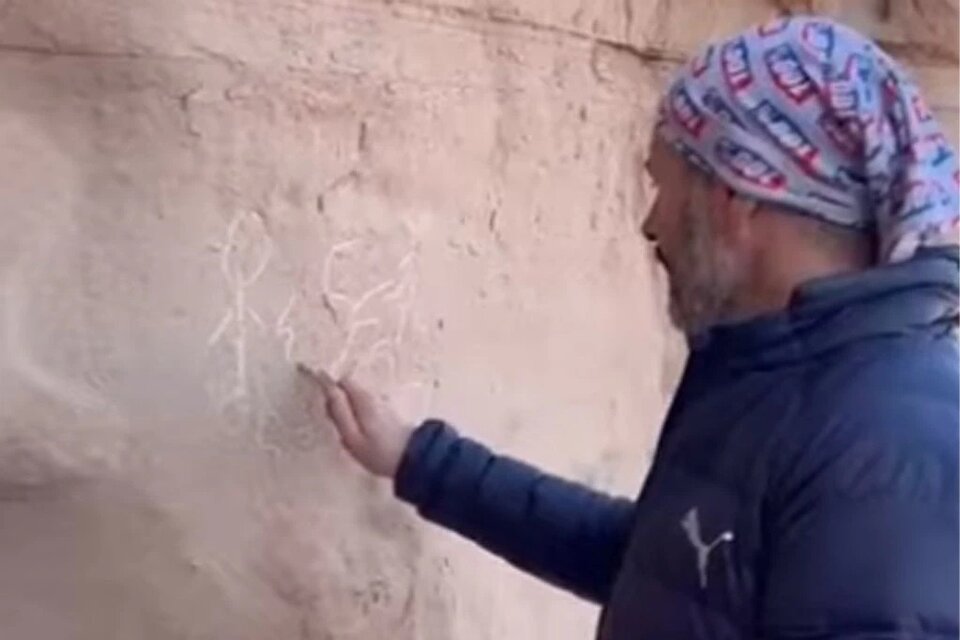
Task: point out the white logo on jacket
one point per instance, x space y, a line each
691 525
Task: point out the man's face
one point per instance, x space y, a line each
705 273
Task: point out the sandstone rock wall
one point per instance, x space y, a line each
198 193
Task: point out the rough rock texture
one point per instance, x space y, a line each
198 193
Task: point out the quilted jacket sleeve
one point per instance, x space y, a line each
559 531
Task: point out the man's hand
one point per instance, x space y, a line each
369 430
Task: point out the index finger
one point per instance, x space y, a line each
321 377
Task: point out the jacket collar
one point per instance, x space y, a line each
920 294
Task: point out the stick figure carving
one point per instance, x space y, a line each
244 257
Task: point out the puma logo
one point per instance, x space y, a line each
691 525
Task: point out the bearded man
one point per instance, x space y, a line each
805 483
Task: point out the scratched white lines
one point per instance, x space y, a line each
16 344
331 297
371 315
244 256
283 329
358 317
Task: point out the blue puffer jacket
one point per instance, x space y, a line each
805 483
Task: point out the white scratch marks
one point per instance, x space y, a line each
359 316
244 257
16 347
284 329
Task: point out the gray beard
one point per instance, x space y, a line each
707 278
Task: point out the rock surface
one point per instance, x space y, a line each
199 193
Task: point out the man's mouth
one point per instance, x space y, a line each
667 271
662 259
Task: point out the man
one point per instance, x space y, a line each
806 480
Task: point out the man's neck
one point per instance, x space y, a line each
774 279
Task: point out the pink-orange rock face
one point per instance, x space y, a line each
198 194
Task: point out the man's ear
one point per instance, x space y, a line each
735 213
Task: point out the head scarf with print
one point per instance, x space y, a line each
810 114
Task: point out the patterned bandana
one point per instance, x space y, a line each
810 114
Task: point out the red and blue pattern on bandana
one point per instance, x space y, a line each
810 114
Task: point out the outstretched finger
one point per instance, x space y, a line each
326 381
361 401
344 419
339 408
318 376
